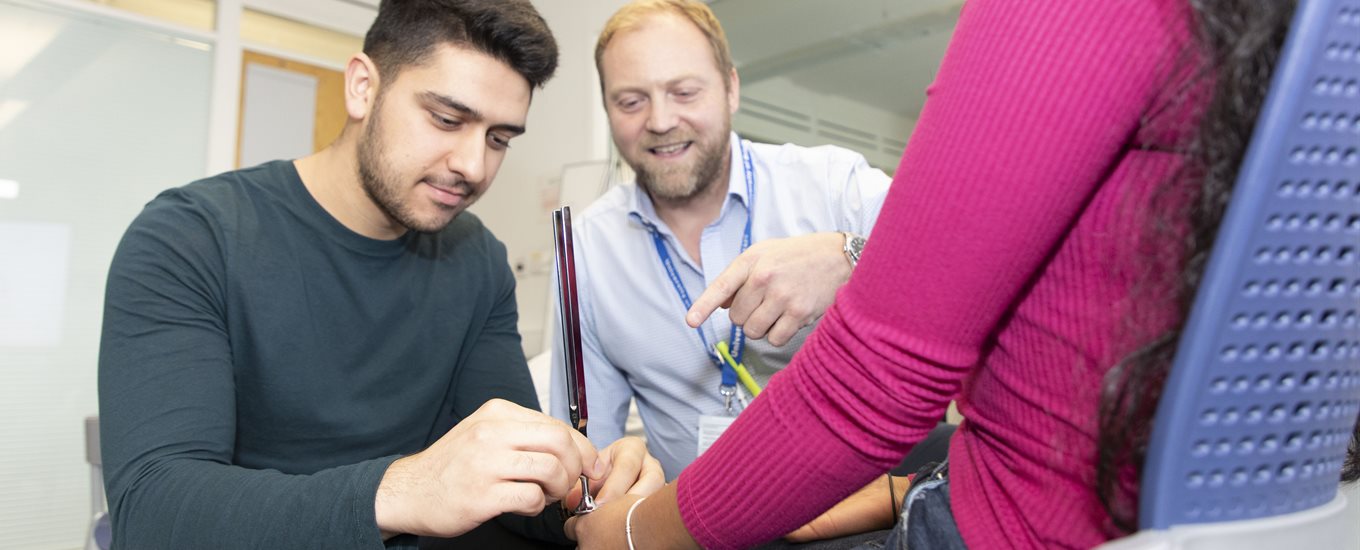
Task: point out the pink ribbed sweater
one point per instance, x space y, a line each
999 274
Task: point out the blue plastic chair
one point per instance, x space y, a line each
1252 429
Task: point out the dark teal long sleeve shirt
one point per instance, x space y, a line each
261 365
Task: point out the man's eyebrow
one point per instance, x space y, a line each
466 111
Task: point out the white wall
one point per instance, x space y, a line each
566 125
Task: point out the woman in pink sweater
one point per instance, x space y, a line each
1016 267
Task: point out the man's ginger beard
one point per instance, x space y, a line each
679 184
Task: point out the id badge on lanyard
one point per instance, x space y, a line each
710 427
731 394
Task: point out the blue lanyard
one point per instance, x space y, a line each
738 336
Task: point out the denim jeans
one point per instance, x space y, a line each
926 522
922 459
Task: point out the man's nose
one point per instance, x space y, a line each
468 160
662 117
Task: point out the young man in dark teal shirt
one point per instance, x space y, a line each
323 352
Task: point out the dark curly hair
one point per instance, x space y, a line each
406 31
1237 43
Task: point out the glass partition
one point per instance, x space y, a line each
97 115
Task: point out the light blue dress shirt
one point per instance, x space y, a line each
634 339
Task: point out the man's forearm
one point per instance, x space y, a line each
187 503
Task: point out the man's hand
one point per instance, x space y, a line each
869 509
502 458
777 286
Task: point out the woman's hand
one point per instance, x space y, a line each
868 509
603 529
656 523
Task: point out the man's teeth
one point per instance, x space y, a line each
670 148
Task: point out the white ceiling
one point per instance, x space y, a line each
882 53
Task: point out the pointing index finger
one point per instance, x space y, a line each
720 293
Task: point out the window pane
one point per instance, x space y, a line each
97 116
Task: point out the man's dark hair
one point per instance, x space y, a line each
407 31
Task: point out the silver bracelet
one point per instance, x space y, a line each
628 522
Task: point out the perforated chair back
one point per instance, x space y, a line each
1264 390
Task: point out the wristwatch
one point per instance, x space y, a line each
854 246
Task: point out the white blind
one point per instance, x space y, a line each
96 117
278 115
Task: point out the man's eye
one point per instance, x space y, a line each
444 121
498 142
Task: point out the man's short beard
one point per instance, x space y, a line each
705 174
378 181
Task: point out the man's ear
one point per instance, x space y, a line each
361 86
733 92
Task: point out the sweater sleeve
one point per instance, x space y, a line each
1032 107
168 411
